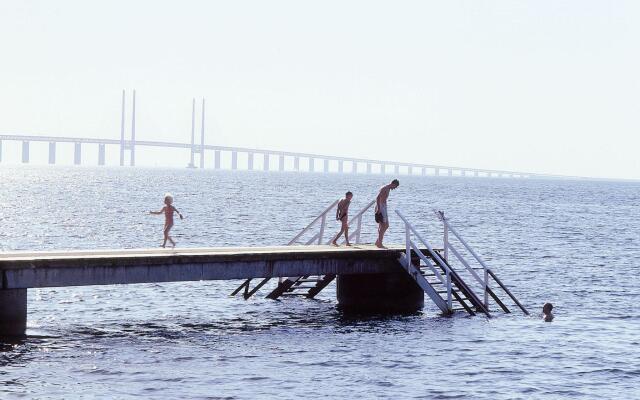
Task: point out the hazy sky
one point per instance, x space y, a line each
540 86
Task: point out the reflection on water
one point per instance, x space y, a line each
572 243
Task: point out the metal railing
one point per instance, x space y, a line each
318 236
413 247
486 271
357 219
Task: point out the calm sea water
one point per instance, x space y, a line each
576 244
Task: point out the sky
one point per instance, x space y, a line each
537 86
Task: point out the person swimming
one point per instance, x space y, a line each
168 211
547 314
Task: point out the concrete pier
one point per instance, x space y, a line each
234 160
281 163
52 153
77 154
25 152
250 161
101 154
216 162
13 312
265 162
326 165
22 270
296 163
394 292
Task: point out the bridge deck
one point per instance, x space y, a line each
103 267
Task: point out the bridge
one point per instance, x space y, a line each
369 279
286 160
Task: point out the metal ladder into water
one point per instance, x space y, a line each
434 273
307 286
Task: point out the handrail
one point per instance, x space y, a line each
448 246
323 214
487 271
356 218
464 243
409 229
495 278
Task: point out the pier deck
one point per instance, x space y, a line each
21 270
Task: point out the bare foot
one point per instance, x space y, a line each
380 246
334 244
348 244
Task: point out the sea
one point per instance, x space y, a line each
574 243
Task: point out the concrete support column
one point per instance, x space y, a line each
25 152
13 312
396 169
52 152
234 160
354 167
475 173
101 153
368 168
312 164
410 170
0 150
383 169
132 160
437 171
450 172
250 161
424 171
77 154
216 162
296 163
265 164
281 163
340 166
326 165
379 293
122 144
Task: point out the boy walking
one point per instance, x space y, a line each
342 215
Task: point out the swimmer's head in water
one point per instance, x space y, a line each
547 308
168 198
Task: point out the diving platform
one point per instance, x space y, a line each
25 270
369 279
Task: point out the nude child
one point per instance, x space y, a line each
168 211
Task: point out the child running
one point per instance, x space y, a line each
168 211
342 215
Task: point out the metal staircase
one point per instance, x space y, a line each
308 286
446 287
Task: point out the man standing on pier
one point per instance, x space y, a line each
382 216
